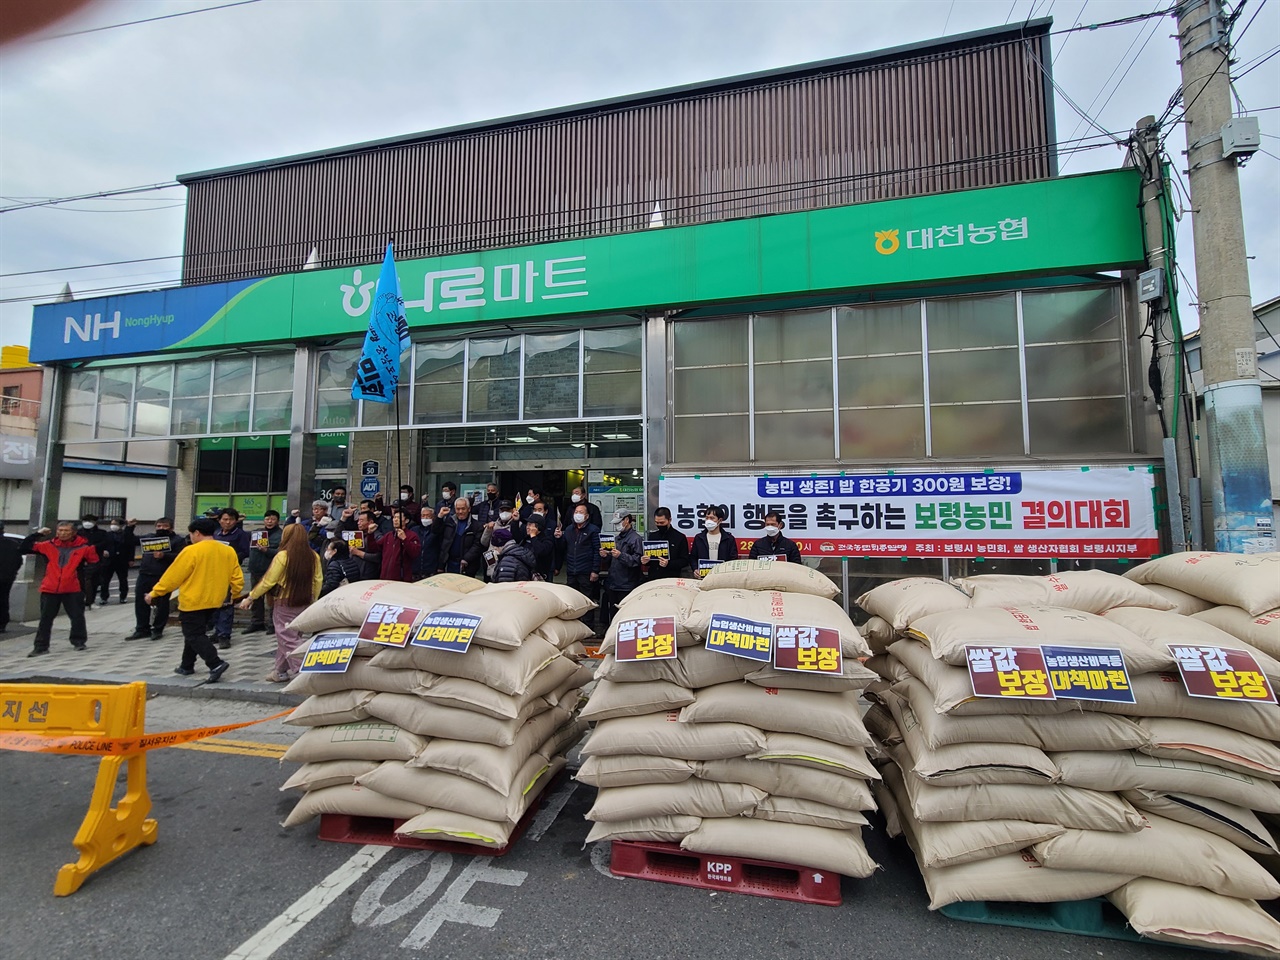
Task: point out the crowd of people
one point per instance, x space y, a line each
289 565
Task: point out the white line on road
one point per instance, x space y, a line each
545 817
278 932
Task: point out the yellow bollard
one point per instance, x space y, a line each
92 712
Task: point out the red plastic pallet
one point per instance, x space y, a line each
667 863
381 831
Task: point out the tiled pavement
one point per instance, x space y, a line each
111 659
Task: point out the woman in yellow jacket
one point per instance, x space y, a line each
294 580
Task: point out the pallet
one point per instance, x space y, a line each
1085 918
381 831
667 863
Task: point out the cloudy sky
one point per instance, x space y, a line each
137 104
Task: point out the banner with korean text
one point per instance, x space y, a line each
1100 513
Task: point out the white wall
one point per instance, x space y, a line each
144 495
15 504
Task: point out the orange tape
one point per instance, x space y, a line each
118 746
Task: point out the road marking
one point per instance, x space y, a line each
273 750
278 932
370 908
551 809
451 908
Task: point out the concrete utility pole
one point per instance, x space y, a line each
1237 470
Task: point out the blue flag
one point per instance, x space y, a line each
378 373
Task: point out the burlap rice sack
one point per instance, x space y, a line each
878 633
1094 591
330 709
574 604
768 575
360 675
1192 916
328 773
563 633
772 606
695 667
496 766
631 769
1130 770
1251 581
456 582
953 690
1159 628
654 829
1166 850
508 671
808 812
1227 820
1192 741
1262 631
450 723
610 699
798 750
786 780
347 606
853 676
444 791
900 602
829 716
1013 876
663 735
353 800
691 798
1183 602
366 740
1162 695
481 698
839 851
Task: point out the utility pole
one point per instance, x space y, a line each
1237 469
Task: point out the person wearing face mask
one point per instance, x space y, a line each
541 541
713 542
578 498
624 564
410 506
369 555
532 497
581 541
158 551
459 535
92 574
61 586
294 579
231 533
429 555
676 563
486 510
773 543
448 494
260 557
340 567
123 546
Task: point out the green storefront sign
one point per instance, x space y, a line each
1069 224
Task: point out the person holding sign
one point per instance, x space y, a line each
624 564
263 547
158 552
540 541
206 575
713 544
674 563
515 562
773 543
294 580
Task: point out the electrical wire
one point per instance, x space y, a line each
91 196
134 23
1258 63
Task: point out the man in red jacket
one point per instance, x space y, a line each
61 584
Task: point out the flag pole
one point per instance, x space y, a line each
399 453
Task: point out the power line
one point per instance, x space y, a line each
1259 63
948 20
1062 46
134 23
91 196
1251 19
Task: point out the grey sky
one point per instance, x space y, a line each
140 104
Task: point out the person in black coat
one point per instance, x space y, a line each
158 551
713 542
123 546
340 565
95 576
516 563
10 564
676 563
541 542
459 533
773 543
370 557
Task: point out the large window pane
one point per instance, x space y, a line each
493 390
705 342
233 375
795 436
878 328
381 414
612 350
550 353
495 359
115 394
274 373
793 386
493 400
438 374
213 465
711 390
1072 427
437 402
230 414
335 410
1071 314
151 400
272 411
190 416
882 432
439 361
253 466
711 439
794 335
191 379
881 381
547 398
974 375
280 464
612 395
80 409
1074 370
977 430
960 322
335 372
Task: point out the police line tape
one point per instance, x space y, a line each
118 746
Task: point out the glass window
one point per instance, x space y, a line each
437 396
1074 370
1074 427
546 354
701 343
703 390
333 452
974 376
961 323
252 465
233 375
794 335
230 414
612 351
870 432
793 386
878 328
711 439
980 429
551 376
151 400
612 395
274 373
551 398
1056 315
190 413
115 396
213 465
881 381
795 436
493 387
272 411
80 408
280 463
335 372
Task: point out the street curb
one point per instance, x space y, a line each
166 688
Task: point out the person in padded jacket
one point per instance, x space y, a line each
61 586
516 561
713 542
340 565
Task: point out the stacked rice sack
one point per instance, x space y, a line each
725 755
1155 804
457 745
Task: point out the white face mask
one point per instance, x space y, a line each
576 498
115 527
87 526
579 518
711 524
504 516
772 531
447 495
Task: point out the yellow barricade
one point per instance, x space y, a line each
91 713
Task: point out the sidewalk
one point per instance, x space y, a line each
111 659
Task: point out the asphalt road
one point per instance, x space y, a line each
223 871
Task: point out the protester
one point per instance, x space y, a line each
231 532
448 493
294 580
676 563
534 532
459 534
582 553
624 564
713 542
123 546
578 498
337 500
773 543
10 565
340 566
409 505
369 555
527 507
515 562
486 511
157 556
399 549
206 575
91 574
429 554
62 583
260 557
